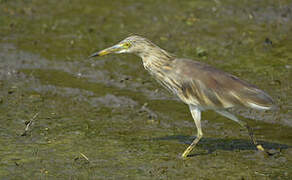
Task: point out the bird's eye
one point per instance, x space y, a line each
127 45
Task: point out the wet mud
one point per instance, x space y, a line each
106 118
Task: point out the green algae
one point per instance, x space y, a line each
97 107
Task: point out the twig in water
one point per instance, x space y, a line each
85 157
28 124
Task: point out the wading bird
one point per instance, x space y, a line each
199 85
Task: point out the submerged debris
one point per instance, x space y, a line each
28 124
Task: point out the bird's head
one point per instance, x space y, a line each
133 44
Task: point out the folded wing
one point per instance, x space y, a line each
209 87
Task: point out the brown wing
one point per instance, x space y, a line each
212 88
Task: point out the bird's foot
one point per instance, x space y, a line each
184 155
186 152
267 152
260 147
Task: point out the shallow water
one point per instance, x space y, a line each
106 118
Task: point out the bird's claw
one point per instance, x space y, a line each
260 147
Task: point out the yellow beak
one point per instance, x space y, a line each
113 49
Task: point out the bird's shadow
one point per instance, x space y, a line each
213 144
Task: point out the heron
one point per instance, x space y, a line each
197 84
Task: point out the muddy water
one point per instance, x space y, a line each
106 118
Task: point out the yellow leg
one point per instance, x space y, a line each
191 147
243 124
250 133
196 114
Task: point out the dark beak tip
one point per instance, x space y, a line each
93 55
